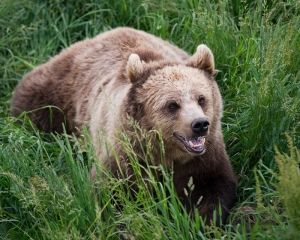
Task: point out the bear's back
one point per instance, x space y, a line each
62 90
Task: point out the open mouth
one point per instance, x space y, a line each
194 145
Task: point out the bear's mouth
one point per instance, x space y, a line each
193 145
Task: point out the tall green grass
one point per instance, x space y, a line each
288 186
45 186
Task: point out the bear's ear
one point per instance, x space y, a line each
134 67
203 59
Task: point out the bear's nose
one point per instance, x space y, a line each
200 125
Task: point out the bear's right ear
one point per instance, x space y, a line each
134 67
203 59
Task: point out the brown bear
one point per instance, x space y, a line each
128 74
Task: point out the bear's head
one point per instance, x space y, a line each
182 100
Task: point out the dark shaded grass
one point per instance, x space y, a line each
46 192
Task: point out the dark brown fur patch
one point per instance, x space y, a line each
147 55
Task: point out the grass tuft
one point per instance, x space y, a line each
289 185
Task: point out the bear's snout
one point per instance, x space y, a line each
200 126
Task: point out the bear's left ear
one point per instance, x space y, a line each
203 59
134 67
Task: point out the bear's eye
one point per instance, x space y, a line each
201 101
173 106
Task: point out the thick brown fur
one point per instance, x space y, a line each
125 73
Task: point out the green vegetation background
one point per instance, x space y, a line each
45 188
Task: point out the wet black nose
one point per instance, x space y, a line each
200 125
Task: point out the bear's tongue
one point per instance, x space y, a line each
196 144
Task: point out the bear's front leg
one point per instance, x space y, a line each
217 194
209 196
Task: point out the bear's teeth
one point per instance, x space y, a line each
195 143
